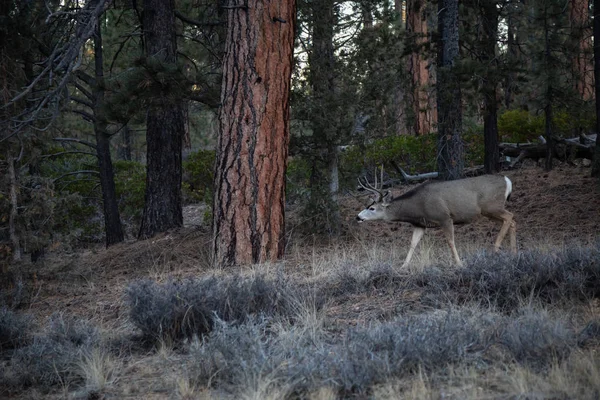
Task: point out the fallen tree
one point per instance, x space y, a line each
565 149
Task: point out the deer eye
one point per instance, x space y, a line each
371 208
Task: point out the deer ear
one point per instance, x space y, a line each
387 198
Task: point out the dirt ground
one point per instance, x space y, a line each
551 208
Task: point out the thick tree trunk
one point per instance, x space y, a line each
112 219
164 128
450 145
324 115
596 163
491 162
423 111
252 147
582 63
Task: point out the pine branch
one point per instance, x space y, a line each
84 171
89 153
83 142
197 23
81 101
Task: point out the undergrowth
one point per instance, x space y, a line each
181 309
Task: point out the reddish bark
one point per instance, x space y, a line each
423 104
582 62
254 134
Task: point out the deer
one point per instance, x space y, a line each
444 204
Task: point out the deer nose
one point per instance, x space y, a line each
359 219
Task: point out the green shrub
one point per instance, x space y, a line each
198 175
412 153
518 126
474 145
130 184
297 179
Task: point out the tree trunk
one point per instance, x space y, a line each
424 114
491 162
549 95
549 137
112 220
324 115
582 64
14 207
164 128
125 147
252 146
450 146
511 55
596 163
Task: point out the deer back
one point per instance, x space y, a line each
460 201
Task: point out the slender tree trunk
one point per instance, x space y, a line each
549 137
549 95
252 147
596 163
14 207
510 76
450 146
125 147
164 128
491 161
112 219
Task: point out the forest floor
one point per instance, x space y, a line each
554 211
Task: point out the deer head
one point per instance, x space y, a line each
379 202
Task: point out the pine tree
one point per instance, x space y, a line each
450 146
164 124
252 147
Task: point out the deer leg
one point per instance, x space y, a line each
448 228
416 238
513 236
507 224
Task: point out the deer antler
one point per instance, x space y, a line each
376 188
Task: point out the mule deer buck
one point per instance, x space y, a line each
444 204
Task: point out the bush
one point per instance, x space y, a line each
533 338
412 153
15 329
198 175
239 358
53 355
518 126
130 185
474 145
298 180
503 280
182 309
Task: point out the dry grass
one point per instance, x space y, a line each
353 283
99 370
